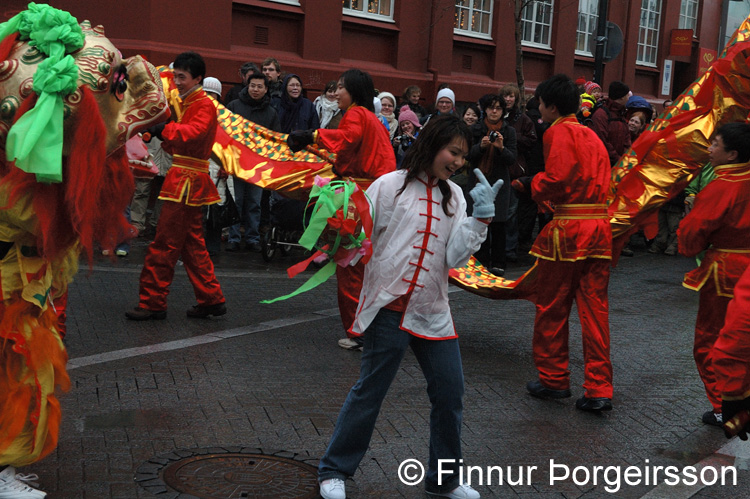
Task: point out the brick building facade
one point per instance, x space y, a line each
468 44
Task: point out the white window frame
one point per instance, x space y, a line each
588 15
689 15
358 8
470 10
288 2
648 33
530 23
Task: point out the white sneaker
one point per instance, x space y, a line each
12 485
461 492
333 488
121 252
350 344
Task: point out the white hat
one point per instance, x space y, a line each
381 95
211 84
446 92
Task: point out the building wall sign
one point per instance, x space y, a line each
681 42
706 58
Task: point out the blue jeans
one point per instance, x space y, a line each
247 198
384 347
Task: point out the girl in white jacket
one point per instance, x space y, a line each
420 231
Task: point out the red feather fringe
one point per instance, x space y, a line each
20 399
89 204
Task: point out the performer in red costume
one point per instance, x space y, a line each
730 356
719 223
573 251
187 187
363 150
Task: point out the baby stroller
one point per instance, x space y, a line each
286 226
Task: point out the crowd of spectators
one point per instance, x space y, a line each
507 131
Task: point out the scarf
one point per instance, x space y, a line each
392 123
326 110
485 164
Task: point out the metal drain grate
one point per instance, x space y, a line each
230 473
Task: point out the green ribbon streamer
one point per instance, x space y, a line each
329 201
332 196
316 280
35 141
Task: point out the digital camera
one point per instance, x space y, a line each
493 136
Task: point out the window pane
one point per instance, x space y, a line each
473 16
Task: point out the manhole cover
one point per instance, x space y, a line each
230 475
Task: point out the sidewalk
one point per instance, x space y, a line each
270 378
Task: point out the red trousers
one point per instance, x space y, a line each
586 282
711 311
349 280
179 233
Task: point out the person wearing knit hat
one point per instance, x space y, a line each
618 90
409 116
608 121
212 85
580 83
593 89
387 108
408 126
445 101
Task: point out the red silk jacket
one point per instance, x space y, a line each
575 180
720 223
361 143
190 140
730 356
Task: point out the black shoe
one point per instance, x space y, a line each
143 314
203 311
496 271
253 247
594 404
232 247
713 418
537 389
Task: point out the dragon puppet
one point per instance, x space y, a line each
69 102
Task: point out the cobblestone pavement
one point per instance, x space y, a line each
272 377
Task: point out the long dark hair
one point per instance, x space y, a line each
360 86
436 134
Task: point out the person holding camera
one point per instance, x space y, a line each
494 152
408 129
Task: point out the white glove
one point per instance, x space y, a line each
484 196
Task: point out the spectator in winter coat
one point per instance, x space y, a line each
411 96
327 107
494 152
245 70
254 105
272 70
526 137
295 111
608 121
388 111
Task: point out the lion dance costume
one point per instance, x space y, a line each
64 184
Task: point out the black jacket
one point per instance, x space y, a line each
260 112
502 161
